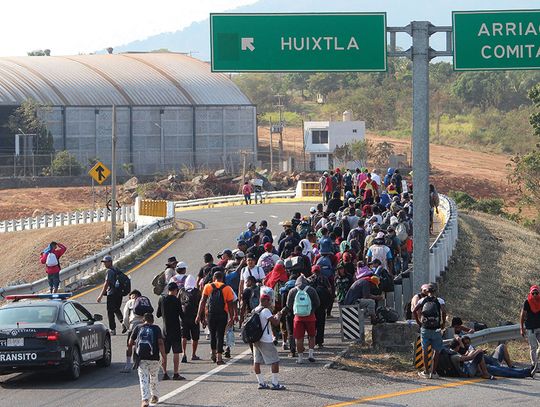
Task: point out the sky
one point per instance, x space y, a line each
69 27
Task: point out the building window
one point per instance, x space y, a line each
319 136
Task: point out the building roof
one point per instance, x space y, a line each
145 79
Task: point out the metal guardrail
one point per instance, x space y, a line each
491 335
440 252
125 214
76 273
232 198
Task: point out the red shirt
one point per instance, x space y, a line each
246 189
59 251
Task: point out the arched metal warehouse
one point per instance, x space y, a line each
171 110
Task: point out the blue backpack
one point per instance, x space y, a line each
145 343
302 303
325 264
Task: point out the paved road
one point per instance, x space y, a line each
309 385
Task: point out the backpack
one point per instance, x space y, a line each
122 284
386 314
431 313
302 303
445 367
401 232
326 266
294 264
159 283
387 282
303 229
252 330
267 263
216 302
189 300
142 306
180 281
145 343
52 260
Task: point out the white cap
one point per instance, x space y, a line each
313 209
181 265
380 235
250 224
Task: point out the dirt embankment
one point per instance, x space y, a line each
22 249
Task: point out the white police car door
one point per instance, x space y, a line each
93 341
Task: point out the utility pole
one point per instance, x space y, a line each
271 147
280 107
113 178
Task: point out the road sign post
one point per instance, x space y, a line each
496 40
113 178
298 42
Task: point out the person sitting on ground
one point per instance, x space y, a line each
459 328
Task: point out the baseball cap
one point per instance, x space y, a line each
265 295
250 224
106 258
312 209
238 253
181 265
172 286
352 200
268 246
316 268
380 235
242 242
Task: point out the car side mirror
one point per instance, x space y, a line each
98 317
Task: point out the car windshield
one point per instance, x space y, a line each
28 315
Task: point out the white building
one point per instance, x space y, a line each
322 138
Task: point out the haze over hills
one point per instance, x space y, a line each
195 39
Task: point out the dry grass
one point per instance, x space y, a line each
495 263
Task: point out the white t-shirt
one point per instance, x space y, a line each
179 279
256 272
265 314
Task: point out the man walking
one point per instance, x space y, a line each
302 301
530 323
148 342
170 309
216 310
430 314
113 293
264 350
190 296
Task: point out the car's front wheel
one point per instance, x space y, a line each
105 361
74 367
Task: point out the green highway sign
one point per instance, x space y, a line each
298 42
491 40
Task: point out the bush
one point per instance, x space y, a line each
65 164
463 199
493 206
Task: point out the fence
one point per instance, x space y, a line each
150 207
74 276
268 195
440 252
125 214
308 189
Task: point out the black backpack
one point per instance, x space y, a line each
142 306
445 367
122 284
252 330
216 302
387 281
386 314
431 313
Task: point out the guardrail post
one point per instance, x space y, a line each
6 226
398 298
38 222
432 270
407 289
77 214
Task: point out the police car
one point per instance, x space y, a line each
43 331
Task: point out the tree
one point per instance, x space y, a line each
343 153
380 153
26 118
360 150
39 53
65 163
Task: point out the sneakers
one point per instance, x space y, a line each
154 399
213 358
285 346
195 357
263 386
312 360
166 377
220 362
434 375
145 403
124 329
177 376
292 354
299 361
113 332
277 387
320 346
424 375
184 359
227 354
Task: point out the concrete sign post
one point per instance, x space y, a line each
298 42
493 40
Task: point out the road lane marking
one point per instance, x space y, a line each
407 392
273 216
191 226
204 376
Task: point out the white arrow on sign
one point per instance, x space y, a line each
247 43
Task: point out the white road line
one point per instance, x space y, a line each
203 376
273 216
250 213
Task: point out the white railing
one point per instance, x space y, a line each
124 214
439 254
74 276
233 198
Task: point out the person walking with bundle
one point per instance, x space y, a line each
51 258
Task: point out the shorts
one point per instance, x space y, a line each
174 343
265 353
301 327
191 330
431 337
54 280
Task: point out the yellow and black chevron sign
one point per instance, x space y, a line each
418 359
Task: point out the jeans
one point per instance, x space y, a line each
533 336
114 302
217 325
148 378
247 198
289 320
320 314
54 281
513 372
258 195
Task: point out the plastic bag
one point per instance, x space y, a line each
229 338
